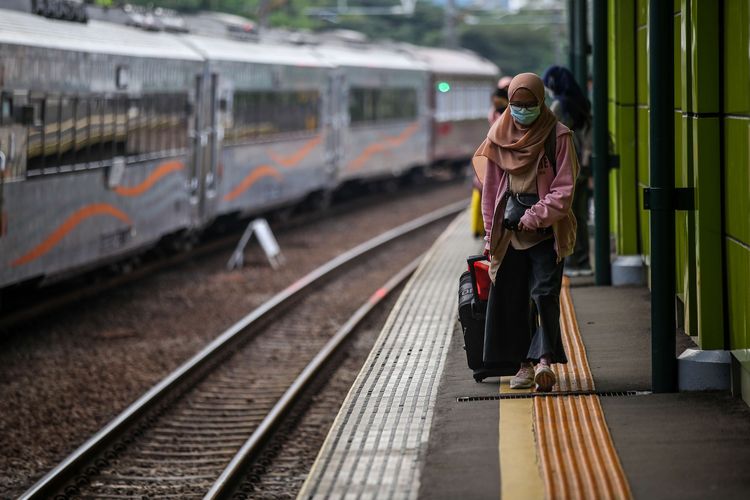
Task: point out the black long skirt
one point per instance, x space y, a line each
523 310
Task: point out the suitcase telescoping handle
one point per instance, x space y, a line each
471 260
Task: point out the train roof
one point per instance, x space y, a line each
259 52
311 50
368 56
18 28
454 62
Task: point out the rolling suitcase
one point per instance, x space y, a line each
473 291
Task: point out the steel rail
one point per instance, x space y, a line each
236 468
99 442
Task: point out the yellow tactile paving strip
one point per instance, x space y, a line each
575 457
576 374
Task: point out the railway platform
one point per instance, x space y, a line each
416 425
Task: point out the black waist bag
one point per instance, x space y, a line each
516 204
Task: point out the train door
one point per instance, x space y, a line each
215 109
207 136
336 117
12 149
198 141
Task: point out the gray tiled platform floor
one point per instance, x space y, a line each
378 441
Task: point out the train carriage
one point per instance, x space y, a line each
95 122
116 137
269 132
461 83
382 108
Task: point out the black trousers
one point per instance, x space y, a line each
523 311
580 257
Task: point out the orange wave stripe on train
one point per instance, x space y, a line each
70 223
160 171
252 178
387 143
298 156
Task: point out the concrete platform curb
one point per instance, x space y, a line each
701 370
628 270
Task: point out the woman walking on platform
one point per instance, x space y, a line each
527 166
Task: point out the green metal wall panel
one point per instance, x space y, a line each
708 254
612 47
642 12
687 222
704 53
627 223
738 287
677 33
622 56
622 98
643 178
642 65
642 123
737 56
736 33
681 241
737 178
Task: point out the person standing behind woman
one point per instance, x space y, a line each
526 263
572 108
499 103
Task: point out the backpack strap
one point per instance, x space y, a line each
550 149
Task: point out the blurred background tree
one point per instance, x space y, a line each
517 35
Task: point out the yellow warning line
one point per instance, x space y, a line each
519 471
576 454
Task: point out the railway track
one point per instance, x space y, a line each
196 432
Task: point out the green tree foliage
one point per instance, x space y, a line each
515 48
423 28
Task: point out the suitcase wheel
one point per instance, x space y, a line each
478 378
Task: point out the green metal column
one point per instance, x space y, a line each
571 36
581 70
603 273
661 169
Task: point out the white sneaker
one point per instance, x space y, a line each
524 379
544 378
572 272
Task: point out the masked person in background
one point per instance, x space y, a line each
573 109
527 166
499 99
499 103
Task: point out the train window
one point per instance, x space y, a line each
51 131
108 129
35 137
145 139
263 114
181 114
96 129
6 109
67 140
386 104
121 125
68 130
81 134
135 118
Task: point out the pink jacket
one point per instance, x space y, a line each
553 208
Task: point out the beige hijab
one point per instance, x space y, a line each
513 147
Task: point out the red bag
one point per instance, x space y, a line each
479 268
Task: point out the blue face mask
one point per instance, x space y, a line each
524 116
